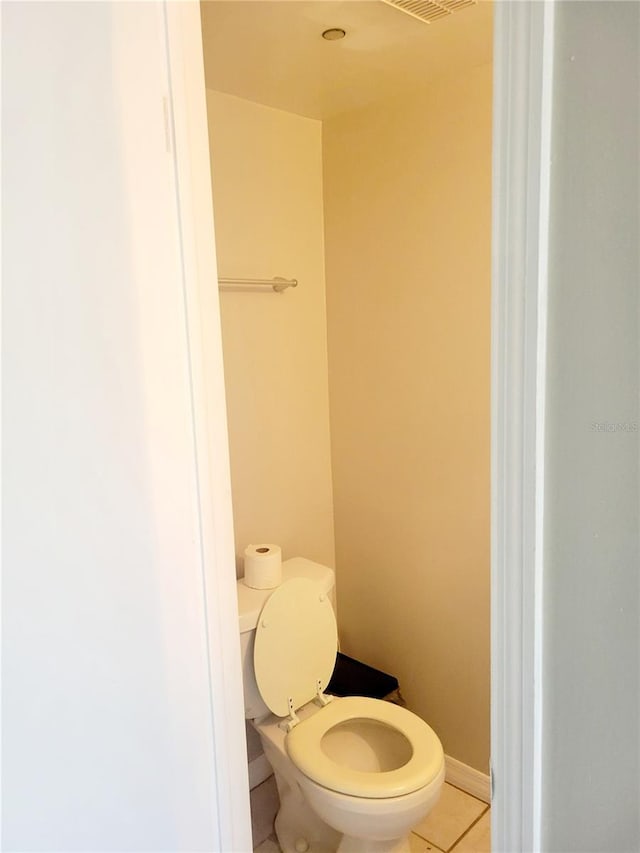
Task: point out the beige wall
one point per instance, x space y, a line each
267 191
407 196
407 224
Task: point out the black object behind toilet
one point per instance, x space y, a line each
353 678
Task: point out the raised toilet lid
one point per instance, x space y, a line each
295 645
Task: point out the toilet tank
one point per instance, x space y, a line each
250 604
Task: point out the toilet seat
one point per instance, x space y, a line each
305 749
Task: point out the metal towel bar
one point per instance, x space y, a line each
278 284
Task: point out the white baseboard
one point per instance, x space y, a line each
468 779
259 770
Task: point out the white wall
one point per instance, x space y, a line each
408 233
267 189
591 721
108 738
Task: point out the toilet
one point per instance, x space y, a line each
354 774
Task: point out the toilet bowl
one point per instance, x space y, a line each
354 773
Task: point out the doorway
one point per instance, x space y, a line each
376 196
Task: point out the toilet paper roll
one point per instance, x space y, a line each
262 566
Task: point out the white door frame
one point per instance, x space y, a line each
522 127
189 140
523 69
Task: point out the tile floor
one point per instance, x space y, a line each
459 824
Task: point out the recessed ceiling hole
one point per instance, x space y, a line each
333 34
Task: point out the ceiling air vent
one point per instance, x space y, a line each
430 10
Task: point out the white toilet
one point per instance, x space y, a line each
353 774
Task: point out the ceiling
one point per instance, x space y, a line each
272 51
